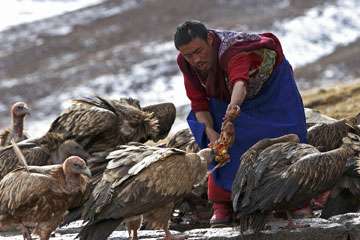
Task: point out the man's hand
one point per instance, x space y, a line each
212 135
232 112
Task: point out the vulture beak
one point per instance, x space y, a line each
207 154
27 110
86 171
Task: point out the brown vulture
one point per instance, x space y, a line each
38 197
195 205
50 149
18 112
328 136
99 124
141 180
281 174
345 196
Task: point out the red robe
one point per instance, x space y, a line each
237 61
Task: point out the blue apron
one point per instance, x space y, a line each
276 110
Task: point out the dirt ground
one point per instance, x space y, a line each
338 101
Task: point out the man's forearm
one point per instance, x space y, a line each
238 93
205 118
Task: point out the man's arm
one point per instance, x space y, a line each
206 118
238 93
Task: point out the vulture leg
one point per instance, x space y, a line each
169 236
292 225
45 236
25 232
133 226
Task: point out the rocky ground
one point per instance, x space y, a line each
342 227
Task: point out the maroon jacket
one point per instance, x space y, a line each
241 57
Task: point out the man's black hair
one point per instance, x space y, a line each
189 30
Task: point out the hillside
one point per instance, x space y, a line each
124 48
338 101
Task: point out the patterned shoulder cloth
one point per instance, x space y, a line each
258 75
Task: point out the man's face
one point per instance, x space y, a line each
199 53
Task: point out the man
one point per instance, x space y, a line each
222 68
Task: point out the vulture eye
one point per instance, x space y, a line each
77 165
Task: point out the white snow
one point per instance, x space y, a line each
14 12
319 31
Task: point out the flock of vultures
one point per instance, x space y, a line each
99 162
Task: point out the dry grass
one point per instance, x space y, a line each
338 101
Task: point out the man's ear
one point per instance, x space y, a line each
210 38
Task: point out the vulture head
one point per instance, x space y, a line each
206 156
76 165
73 168
71 148
20 110
60 147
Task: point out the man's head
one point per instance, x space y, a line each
194 42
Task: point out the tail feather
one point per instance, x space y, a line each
73 215
255 221
99 231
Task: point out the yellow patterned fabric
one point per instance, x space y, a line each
258 76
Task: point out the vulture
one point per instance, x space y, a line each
196 200
281 174
47 150
99 124
345 196
37 197
18 112
328 136
183 140
141 180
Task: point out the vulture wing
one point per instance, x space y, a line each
4 137
345 196
165 113
32 152
183 140
328 136
86 118
246 178
22 193
137 180
301 179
